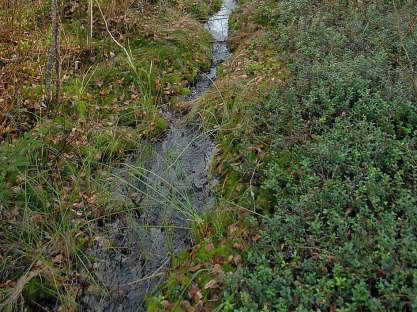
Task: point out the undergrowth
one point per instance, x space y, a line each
315 120
315 116
51 158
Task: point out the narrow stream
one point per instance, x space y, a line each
171 189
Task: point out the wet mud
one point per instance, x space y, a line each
170 187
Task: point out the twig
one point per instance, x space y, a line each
153 275
129 58
20 285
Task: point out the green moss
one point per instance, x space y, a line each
204 254
161 125
155 304
38 292
201 9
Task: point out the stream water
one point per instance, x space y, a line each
171 189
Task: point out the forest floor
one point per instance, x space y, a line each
53 195
314 118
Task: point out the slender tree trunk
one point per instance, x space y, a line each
54 59
48 78
142 6
57 45
90 26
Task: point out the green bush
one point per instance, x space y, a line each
341 176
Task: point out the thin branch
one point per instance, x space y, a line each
129 58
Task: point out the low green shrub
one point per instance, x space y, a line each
340 178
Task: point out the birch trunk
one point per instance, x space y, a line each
90 26
54 61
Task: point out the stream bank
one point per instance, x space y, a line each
170 189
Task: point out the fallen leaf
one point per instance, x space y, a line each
198 307
195 293
217 268
238 246
196 267
181 278
167 305
231 229
14 211
195 249
256 238
209 247
212 284
59 258
187 306
237 259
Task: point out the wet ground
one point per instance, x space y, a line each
170 189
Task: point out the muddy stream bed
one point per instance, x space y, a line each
170 189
